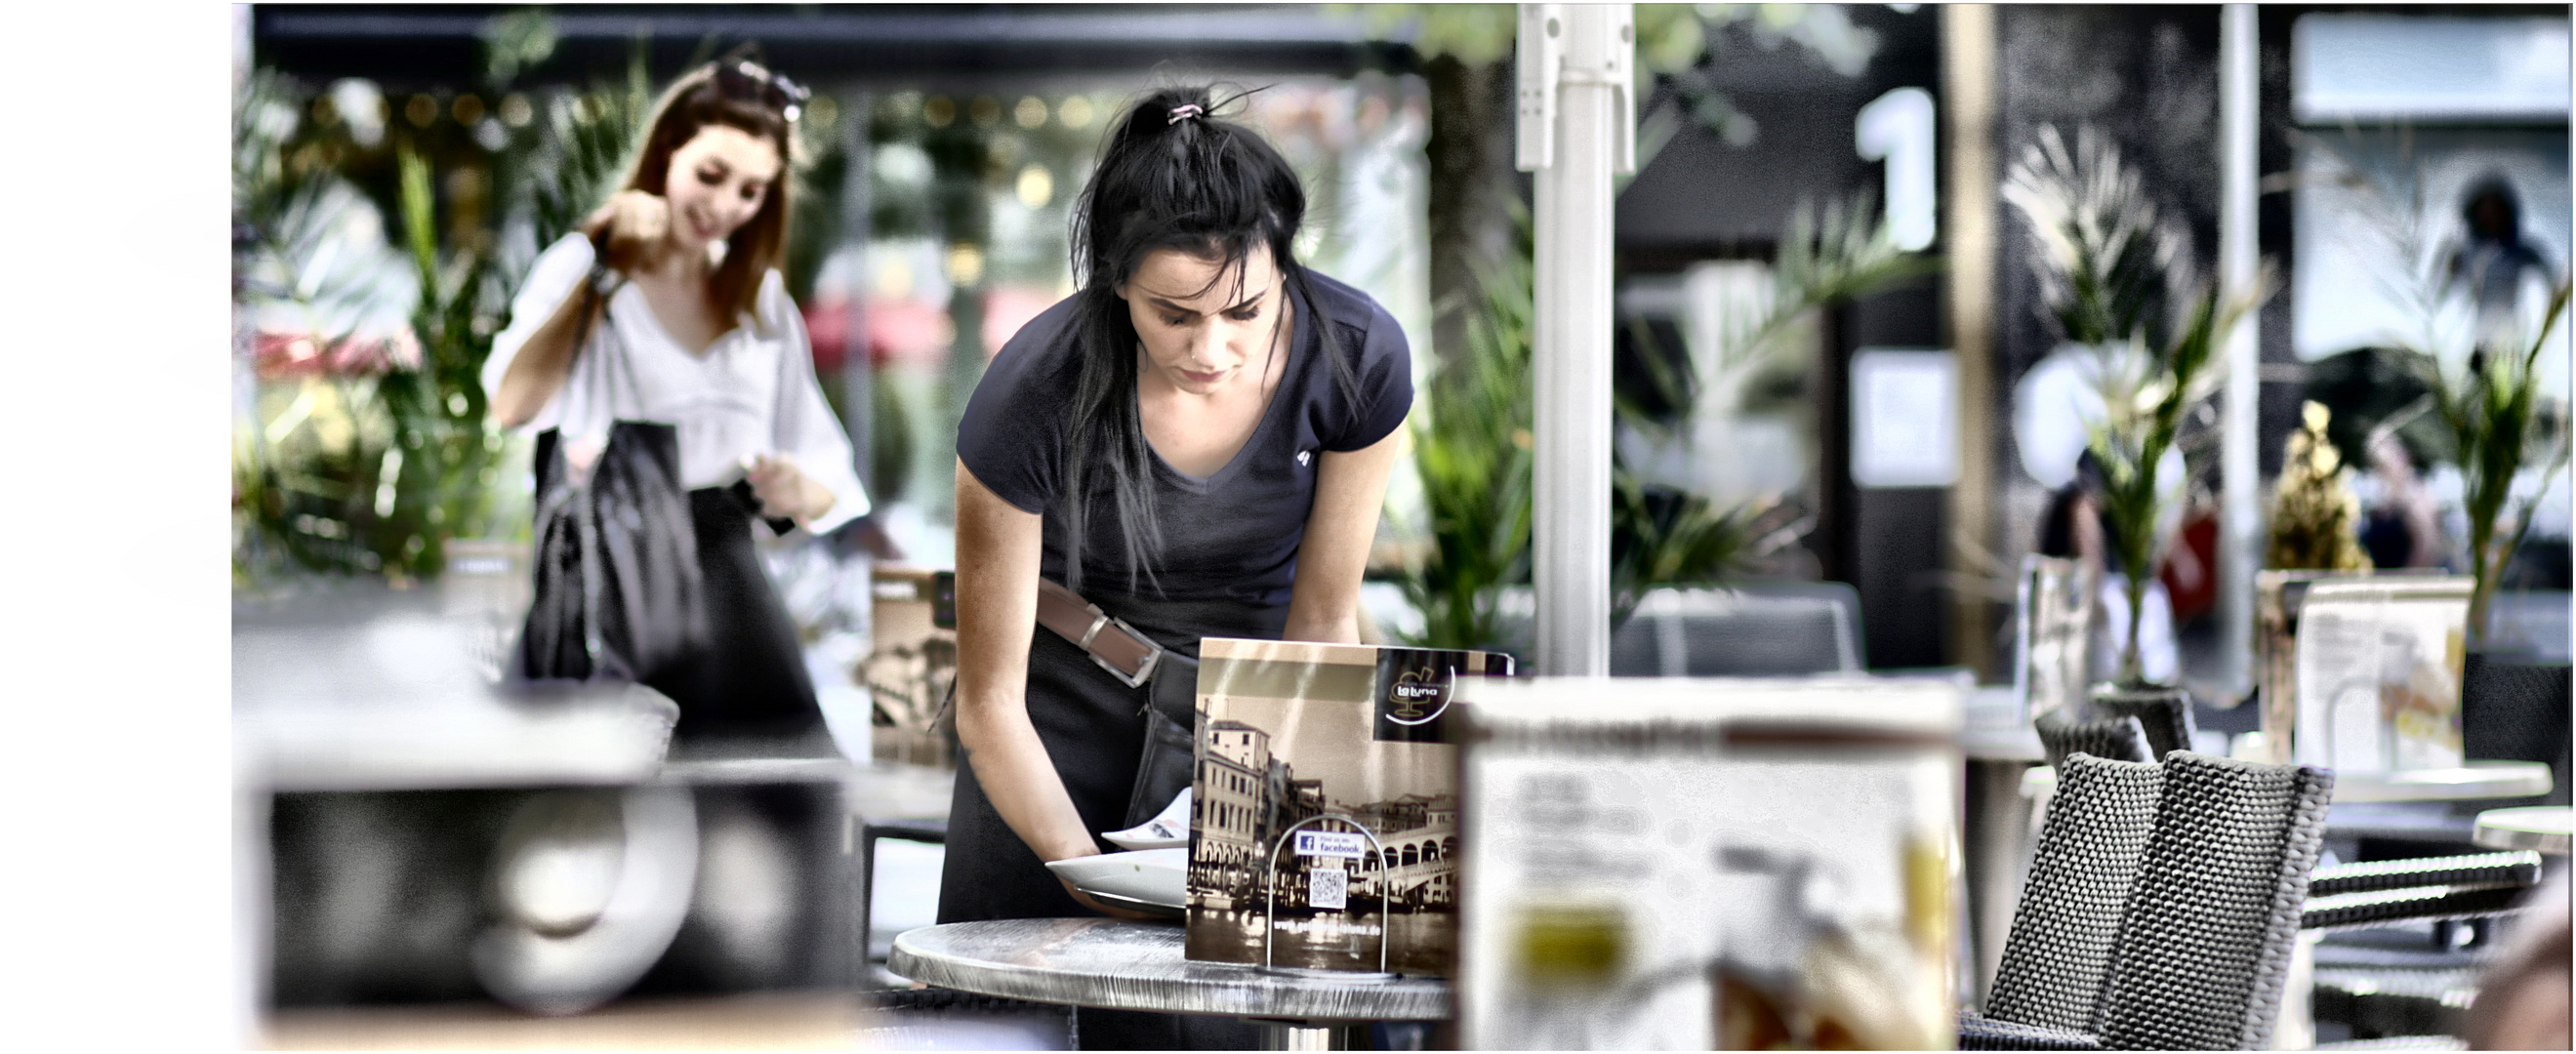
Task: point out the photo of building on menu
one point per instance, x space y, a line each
1250 794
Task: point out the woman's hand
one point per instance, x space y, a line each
998 550
785 490
633 230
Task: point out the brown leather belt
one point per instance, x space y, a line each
1127 654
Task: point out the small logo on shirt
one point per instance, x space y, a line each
1304 457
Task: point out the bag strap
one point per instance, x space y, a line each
1127 653
596 369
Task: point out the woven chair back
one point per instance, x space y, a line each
2111 739
2068 921
2214 912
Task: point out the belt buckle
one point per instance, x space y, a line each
1144 670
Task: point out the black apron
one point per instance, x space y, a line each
1093 728
749 678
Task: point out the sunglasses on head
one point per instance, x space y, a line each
745 79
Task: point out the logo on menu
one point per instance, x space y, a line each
1417 697
1414 692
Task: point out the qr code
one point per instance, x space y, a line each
1328 887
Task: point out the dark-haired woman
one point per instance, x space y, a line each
684 319
1198 441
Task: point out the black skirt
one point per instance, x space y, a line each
748 680
1093 728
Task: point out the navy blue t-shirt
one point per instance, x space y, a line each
1230 537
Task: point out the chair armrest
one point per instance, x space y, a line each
2417 904
2518 870
1978 1032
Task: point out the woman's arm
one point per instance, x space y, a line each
542 364
810 476
997 610
526 372
1350 491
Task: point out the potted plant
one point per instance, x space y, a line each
2491 408
2120 287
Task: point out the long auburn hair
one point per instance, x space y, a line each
1199 184
759 246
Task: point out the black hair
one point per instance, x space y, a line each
1172 175
2500 190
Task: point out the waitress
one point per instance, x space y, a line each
1198 442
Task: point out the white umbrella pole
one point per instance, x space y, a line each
1576 129
2240 510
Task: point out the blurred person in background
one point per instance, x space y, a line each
2494 263
675 279
2073 528
2404 526
1198 442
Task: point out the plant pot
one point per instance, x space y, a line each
2514 709
2163 710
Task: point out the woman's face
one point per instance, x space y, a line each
717 182
1203 330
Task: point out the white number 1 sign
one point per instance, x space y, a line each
1897 128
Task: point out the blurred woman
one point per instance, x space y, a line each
1198 442
675 283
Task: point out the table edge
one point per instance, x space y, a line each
1020 982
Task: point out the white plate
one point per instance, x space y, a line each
1155 876
1171 830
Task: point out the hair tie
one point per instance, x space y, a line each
1185 111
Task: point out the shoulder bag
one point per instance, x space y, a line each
617 590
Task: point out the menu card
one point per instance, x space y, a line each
1324 812
2378 673
1709 864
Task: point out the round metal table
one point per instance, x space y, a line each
1122 965
2542 828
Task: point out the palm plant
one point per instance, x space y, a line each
305 481
2486 398
2494 414
1662 535
384 453
2117 278
1472 449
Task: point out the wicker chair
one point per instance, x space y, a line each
2165 716
2059 949
2207 925
2387 996
2114 739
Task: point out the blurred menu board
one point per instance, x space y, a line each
2378 673
1709 864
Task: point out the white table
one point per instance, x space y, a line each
2541 828
2473 781
1117 964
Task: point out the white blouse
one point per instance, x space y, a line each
751 392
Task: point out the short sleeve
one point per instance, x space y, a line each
1012 434
552 278
805 426
1385 374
